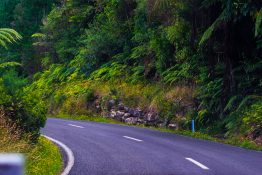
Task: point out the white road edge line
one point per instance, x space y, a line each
132 138
197 163
69 154
76 126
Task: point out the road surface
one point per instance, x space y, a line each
107 149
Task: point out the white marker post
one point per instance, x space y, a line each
12 164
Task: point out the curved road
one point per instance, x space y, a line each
107 149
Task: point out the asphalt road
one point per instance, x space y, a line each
107 149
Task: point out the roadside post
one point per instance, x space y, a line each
11 164
193 125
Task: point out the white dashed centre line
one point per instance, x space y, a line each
131 138
76 126
197 163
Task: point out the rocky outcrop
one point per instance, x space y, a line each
133 116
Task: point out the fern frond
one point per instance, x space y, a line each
208 3
3 44
224 16
232 103
14 34
8 36
38 35
248 100
258 23
161 4
9 64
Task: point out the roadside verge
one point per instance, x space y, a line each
70 156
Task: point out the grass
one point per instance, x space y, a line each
87 118
42 158
240 142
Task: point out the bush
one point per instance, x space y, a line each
252 119
20 104
109 71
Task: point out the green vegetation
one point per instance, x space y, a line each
8 36
22 113
87 118
20 105
42 157
181 59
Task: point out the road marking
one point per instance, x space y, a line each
76 126
69 154
132 138
198 164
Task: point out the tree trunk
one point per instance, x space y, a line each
229 84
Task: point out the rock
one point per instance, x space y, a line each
127 115
111 104
161 125
151 117
131 111
138 113
126 109
172 126
112 114
131 120
258 140
98 108
166 122
121 107
119 115
140 121
135 112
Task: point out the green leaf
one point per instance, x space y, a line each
258 23
9 64
8 36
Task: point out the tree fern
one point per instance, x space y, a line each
8 36
258 23
162 4
9 64
248 100
232 103
208 3
224 16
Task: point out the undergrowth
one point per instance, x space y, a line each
42 157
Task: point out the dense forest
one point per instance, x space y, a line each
179 59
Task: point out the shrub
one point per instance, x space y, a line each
21 105
252 119
109 71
